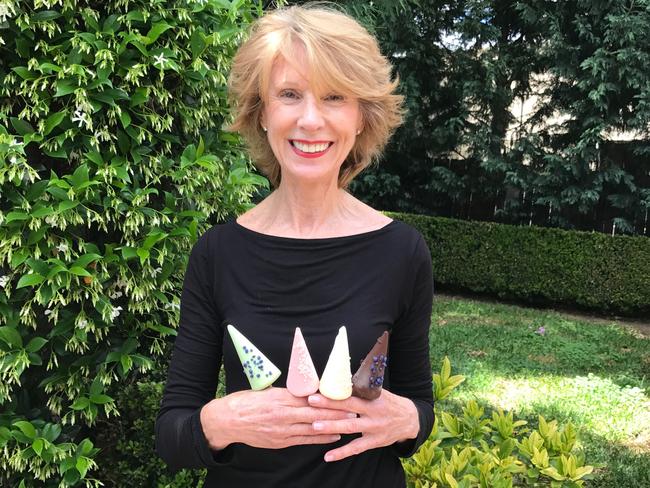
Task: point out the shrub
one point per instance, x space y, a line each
476 450
112 161
129 458
539 265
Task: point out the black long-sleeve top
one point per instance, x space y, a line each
266 286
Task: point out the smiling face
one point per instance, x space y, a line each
310 133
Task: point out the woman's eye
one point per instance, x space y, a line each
334 97
288 94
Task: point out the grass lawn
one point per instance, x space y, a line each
542 362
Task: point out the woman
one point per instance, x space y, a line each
314 99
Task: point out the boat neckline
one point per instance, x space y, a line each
314 239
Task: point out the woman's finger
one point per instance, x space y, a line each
357 446
311 439
346 426
352 404
311 414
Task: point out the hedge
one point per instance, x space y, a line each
539 265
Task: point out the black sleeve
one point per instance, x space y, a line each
193 371
410 365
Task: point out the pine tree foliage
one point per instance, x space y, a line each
579 159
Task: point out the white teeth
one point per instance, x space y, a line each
310 148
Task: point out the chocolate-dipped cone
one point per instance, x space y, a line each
369 378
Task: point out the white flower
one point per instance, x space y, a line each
115 312
160 59
116 294
120 283
50 220
4 280
82 324
156 271
47 312
79 117
13 160
63 247
174 306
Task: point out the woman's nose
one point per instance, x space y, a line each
311 117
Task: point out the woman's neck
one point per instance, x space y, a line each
307 211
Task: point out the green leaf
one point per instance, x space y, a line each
51 432
197 44
47 68
139 97
42 212
37 445
76 270
21 126
30 280
53 121
126 362
79 176
64 87
85 447
67 205
100 399
122 173
95 157
125 118
155 32
143 254
96 387
26 428
152 239
36 344
18 215
19 257
45 15
82 466
135 15
86 259
80 403
5 436
39 266
35 359
129 252
24 73
11 337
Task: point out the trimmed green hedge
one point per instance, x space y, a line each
539 265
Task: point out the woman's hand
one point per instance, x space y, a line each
272 418
381 422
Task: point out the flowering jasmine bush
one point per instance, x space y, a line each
112 161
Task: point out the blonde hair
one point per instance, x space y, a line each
342 57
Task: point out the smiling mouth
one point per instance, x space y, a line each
313 148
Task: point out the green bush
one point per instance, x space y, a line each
128 458
112 161
475 450
539 265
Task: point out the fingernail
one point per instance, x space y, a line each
318 425
329 458
314 399
352 415
335 438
